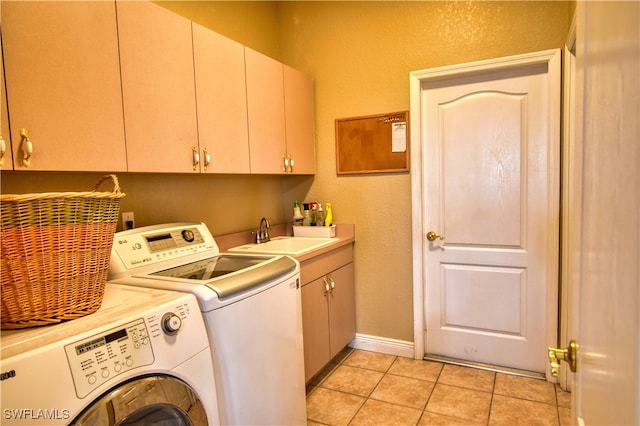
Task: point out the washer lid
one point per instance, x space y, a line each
229 275
211 267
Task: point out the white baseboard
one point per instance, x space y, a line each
383 345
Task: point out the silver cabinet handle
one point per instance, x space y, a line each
196 157
327 288
287 163
207 158
27 148
329 284
3 149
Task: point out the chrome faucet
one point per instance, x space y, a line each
262 234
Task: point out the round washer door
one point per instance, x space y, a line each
152 400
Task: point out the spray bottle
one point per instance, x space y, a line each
328 218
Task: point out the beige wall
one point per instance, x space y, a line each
226 203
251 23
360 55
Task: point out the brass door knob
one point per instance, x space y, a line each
432 236
570 355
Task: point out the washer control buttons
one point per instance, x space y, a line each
96 359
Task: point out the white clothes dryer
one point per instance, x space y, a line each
142 359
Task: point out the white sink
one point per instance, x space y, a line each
285 245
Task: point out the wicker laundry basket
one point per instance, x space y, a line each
55 253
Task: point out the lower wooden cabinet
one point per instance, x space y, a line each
328 307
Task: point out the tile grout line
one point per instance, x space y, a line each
366 398
424 409
493 394
555 392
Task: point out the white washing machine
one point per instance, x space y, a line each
252 309
142 359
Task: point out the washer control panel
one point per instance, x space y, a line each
150 245
99 358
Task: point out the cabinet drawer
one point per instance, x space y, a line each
318 266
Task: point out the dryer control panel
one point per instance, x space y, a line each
98 358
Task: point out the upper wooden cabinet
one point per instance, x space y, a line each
158 88
6 156
299 121
221 96
63 85
149 91
280 106
265 105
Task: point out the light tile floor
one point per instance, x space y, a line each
369 388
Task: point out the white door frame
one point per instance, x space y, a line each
570 202
553 61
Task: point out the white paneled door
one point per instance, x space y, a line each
489 209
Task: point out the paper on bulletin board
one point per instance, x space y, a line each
399 137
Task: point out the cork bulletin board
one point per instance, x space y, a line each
373 144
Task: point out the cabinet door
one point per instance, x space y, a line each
265 104
299 121
315 328
342 316
6 156
156 55
63 84
221 96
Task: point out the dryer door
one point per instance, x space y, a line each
153 400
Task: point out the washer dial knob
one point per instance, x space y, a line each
188 235
171 323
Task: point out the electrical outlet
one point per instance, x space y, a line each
128 221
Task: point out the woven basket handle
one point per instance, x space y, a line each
114 180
